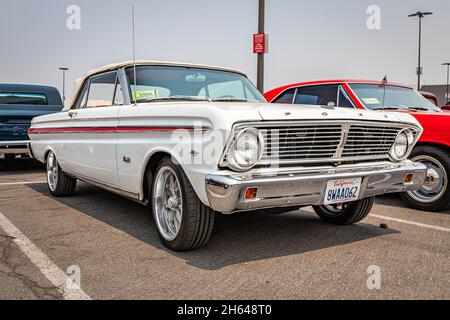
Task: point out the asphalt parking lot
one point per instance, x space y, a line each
250 256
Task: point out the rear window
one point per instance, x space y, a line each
23 98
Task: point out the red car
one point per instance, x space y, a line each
432 97
433 148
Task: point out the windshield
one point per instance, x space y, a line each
372 95
156 83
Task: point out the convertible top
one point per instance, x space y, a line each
79 82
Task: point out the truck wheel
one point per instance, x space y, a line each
59 183
345 213
435 193
182 220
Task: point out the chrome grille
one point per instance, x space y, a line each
369 141
327 142
303 142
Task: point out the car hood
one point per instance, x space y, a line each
305 112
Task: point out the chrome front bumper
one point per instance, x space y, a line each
14 147
302 188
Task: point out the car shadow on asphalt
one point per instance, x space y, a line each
20 166
238 238
394 200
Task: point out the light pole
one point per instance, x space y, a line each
261 30
447 96
63 69
420 14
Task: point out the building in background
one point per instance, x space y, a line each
439 90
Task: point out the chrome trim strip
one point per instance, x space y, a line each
129 195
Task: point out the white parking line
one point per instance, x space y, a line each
417 224
21 183
50 270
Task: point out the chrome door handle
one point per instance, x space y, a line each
73 114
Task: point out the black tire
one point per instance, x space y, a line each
64 185
10 157
441 203
351 213
280 210
197 220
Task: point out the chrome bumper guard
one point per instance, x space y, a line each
295 188
14 147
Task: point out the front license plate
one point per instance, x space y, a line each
342 190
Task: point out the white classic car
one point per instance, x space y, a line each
191 140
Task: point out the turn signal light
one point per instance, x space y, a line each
251 193
408 178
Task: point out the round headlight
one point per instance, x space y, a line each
246 149
401 146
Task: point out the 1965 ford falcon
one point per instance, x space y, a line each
192 140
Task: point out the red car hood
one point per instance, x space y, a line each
436 126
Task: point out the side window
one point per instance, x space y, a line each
320 95
101 90
286 97
344 101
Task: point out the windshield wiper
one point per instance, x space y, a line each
419 108
387 108
174 98
230 100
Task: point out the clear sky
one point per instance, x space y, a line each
307 39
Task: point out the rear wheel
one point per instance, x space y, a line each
182 220
59 183
345 213
435 193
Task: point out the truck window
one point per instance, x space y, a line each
23 98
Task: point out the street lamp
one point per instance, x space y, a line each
420 14
64 82
447 96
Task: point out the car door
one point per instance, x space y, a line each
91 153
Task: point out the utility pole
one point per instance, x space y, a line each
261 30
447 96
64 82
420 14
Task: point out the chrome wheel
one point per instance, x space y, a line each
436 181
52 171
167 203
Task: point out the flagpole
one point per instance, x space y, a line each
384 92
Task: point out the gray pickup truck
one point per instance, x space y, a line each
19 103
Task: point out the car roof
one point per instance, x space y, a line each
130 63
53 95
271 94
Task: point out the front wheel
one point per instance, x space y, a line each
182 220
345 213
435 193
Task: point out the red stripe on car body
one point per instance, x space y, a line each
104 129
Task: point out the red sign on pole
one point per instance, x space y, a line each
259 43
